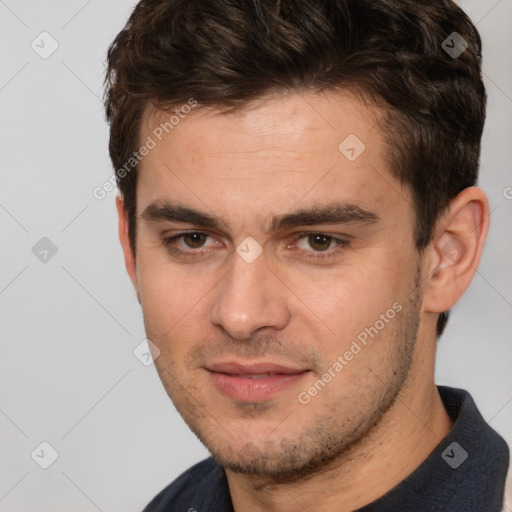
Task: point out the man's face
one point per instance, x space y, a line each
244 337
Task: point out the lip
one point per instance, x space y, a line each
248 383
236 368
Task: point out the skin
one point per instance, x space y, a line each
381 415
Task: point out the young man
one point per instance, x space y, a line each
298 214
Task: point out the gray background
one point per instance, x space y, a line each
69 324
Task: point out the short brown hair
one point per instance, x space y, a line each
225 53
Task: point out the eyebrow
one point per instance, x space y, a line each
336 213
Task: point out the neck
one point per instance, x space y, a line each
406 435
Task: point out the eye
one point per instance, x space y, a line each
191 244
319 241
324 246
188 244
194 240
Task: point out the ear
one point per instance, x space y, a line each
455 250
124 238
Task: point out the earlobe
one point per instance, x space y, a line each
124 238
455 250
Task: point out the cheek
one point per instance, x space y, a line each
174 303
163 298
350 306
347 299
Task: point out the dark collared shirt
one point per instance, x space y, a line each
465 473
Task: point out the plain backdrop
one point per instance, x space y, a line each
70 321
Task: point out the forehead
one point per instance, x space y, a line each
294 121
274 153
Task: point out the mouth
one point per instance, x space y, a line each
254 382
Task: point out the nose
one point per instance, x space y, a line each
250 297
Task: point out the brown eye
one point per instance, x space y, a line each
319 242
319 246
194 240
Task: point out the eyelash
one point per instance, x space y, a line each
329 253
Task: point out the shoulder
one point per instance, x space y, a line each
206 478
